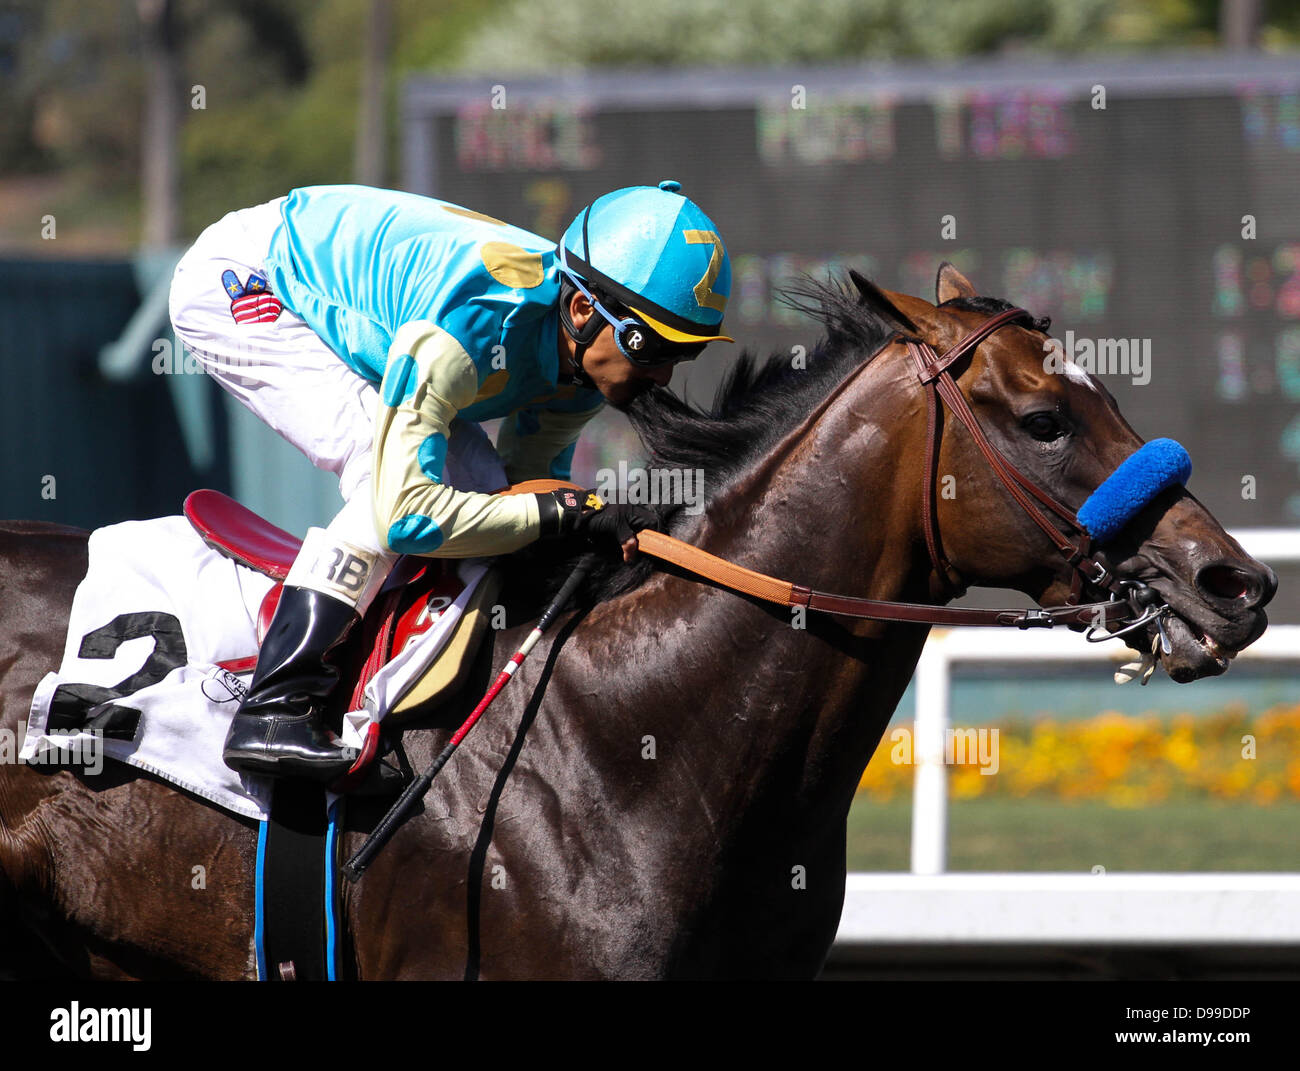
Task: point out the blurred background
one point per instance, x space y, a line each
1130 168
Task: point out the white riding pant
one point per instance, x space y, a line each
286 374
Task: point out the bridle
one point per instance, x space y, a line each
932 372
1131 603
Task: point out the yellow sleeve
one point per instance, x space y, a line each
429 379
537 444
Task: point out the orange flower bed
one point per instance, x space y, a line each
1122 760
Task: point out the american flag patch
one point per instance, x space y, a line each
256 308
250 302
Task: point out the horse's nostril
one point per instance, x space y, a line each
1225 582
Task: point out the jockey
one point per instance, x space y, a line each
374 330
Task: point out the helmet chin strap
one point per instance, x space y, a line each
582 337
578 377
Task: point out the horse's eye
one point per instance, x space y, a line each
1045 427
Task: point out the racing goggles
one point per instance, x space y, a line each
640 344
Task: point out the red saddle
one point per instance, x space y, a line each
239 533
417 592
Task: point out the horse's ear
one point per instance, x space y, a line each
876 298
950 283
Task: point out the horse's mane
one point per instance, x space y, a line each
757 404
760 400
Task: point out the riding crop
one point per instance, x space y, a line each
416 790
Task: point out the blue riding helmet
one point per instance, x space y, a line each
654 252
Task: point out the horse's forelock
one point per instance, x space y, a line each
991 306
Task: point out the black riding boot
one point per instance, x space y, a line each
278 730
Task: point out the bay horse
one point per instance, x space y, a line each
663 791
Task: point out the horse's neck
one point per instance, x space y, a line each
773 704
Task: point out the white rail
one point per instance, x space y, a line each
1211 909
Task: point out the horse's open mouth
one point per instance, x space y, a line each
1197 641
1192 653
1207 614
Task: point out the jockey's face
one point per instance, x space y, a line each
617 378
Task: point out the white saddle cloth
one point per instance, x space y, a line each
141 571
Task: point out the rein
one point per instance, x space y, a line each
1131 603
784 593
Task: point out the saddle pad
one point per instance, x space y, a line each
140 680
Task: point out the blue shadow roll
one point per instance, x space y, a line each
1159 464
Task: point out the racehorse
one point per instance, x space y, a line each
663 791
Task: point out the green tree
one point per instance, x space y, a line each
539 36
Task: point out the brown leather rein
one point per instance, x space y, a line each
1129 603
